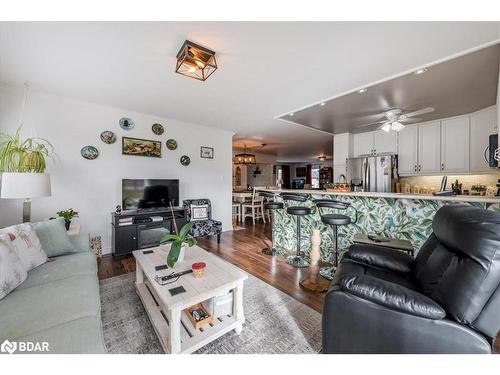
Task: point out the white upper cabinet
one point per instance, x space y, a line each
363 144
407 150
376 142
342 148
385 142
482 124
429 147
455 144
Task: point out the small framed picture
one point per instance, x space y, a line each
207 152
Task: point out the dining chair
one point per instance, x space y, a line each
255 208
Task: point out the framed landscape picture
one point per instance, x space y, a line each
207 152
141 147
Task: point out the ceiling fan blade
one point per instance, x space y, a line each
419 112
373 123
411 119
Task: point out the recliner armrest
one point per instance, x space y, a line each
380 257
392 295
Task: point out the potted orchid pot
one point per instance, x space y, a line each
178 242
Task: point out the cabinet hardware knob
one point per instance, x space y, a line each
442 166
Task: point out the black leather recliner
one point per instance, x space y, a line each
446 300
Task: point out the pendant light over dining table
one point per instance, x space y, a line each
244 158
195 61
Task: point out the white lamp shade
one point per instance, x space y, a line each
25 185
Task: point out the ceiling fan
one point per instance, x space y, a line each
394 118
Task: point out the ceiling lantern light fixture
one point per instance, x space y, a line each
244 158
322 158
195 61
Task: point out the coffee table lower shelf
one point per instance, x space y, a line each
191 339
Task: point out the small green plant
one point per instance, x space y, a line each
178 240
67 215
23 156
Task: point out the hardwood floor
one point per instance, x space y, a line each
242 248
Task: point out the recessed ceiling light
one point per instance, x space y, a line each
291 114
420 71
322 104
362 90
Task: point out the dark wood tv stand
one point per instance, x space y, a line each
141 233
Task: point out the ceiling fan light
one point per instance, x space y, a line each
397 126
386 127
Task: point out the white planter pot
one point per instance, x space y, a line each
181 253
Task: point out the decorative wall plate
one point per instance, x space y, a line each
185 160
126 123
89 152
171 144
158 129
108 137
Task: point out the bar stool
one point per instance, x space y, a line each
272 206
297 260
334 220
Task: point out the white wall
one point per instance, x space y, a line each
94 186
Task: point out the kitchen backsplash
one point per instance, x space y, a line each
434 182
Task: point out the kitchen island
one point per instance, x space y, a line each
395 215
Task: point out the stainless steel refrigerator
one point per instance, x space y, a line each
373 173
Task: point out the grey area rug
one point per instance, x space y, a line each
275 322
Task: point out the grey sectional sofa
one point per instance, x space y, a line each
58 303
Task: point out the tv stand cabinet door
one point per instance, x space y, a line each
126 240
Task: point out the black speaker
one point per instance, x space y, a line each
493 146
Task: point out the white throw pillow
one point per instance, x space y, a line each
199 212
12 271
27 245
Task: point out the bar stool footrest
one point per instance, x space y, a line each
297 261
327 272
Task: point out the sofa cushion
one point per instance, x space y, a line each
54 238
80 336
12 270
27 245
41 307
60 268
80 242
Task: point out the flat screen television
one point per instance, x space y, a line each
148 194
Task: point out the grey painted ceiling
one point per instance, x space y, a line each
265 68
461 85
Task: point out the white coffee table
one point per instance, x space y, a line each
175 332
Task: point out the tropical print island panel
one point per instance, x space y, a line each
409 219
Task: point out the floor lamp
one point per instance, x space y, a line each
25 186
